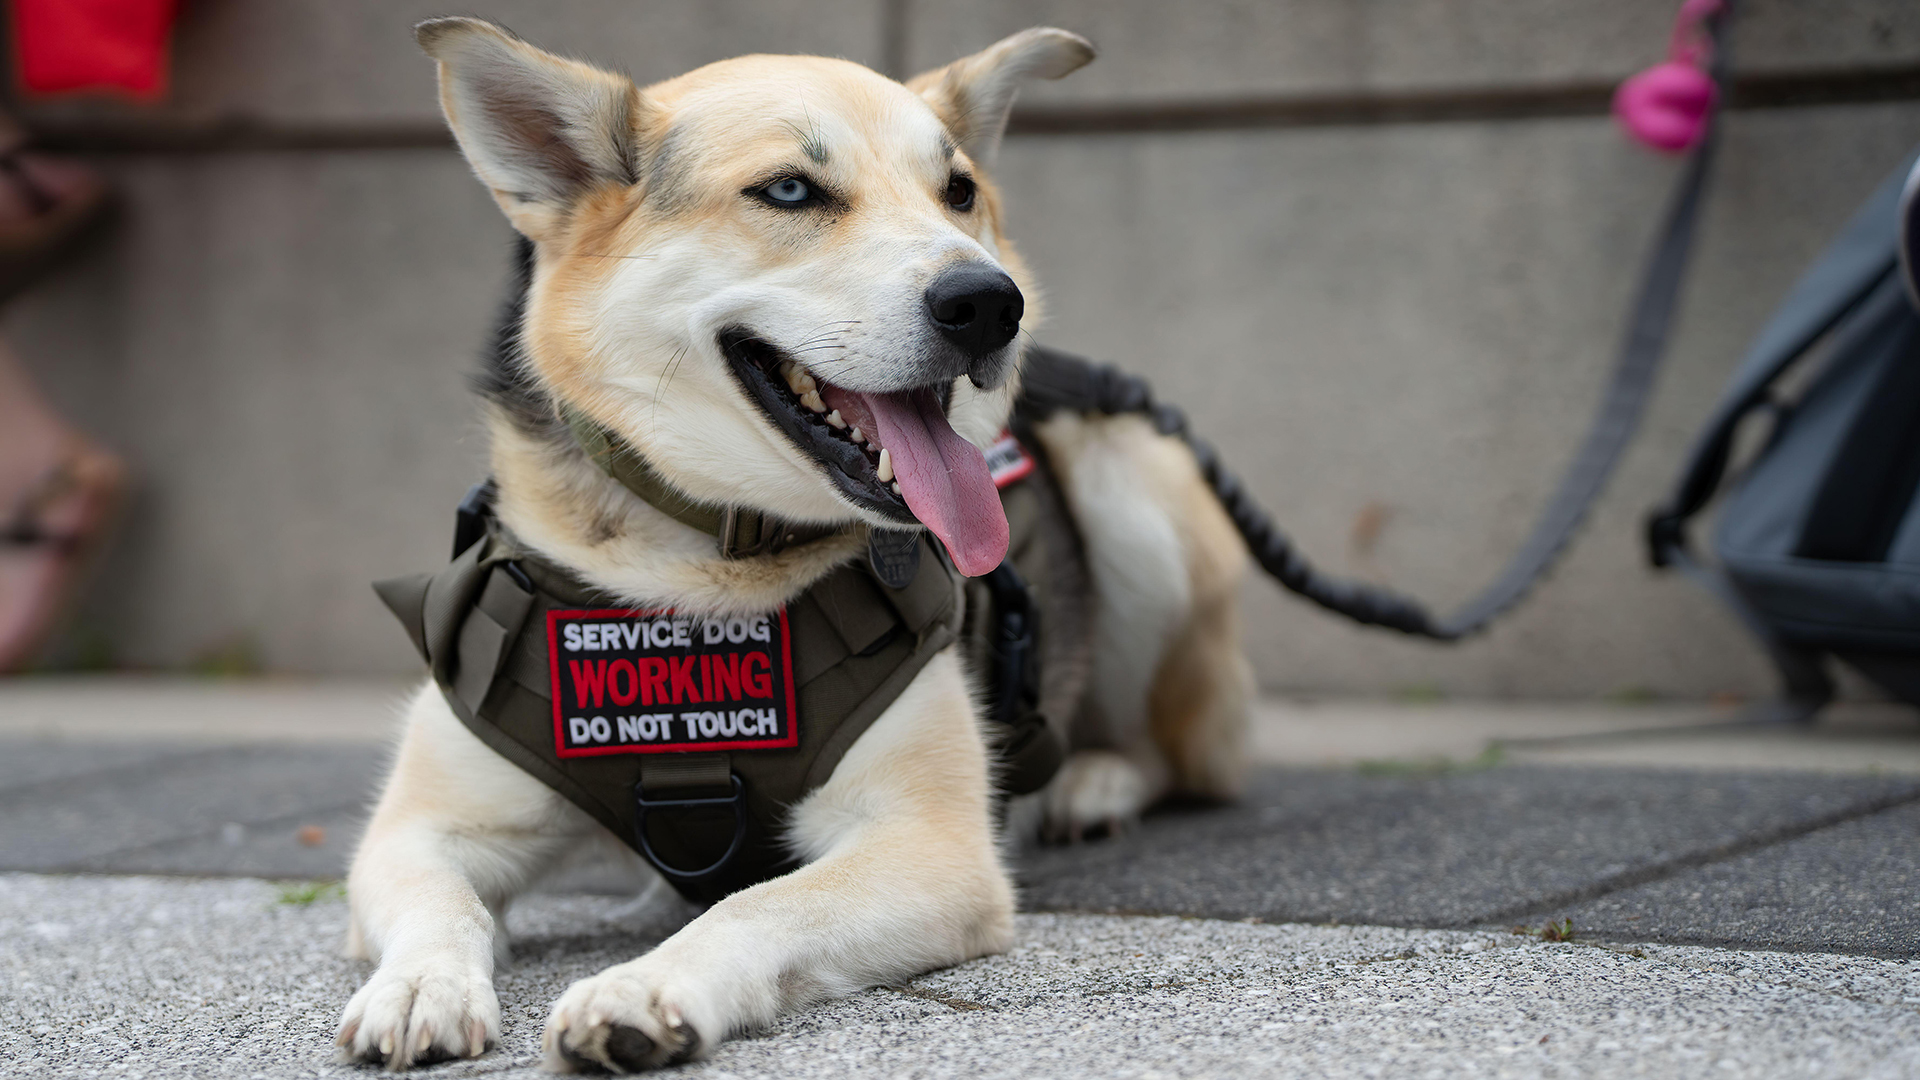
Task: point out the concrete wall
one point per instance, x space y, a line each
1398 322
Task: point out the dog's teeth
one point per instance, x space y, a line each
797 378
807 383
857 437
896 489
886 469
834 420
811 399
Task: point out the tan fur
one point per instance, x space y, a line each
1168 637
647 246
1204 685
904 878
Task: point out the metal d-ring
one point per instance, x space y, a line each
737 800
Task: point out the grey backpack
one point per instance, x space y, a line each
1818 544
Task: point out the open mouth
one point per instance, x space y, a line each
892 453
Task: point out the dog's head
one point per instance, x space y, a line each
738 269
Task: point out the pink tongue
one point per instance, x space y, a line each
943 477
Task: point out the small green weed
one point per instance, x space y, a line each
305 893
233 657
1420 694
92 649
1633 695
1553 931
1489 758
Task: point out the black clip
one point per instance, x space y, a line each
737 800
470 520
1029 752
1012 643
518 575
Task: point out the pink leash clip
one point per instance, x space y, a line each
1668 105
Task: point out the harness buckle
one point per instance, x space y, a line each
737 801
470 520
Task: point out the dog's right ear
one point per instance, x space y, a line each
538 130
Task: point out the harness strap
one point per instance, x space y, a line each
490 627
1029 749
742 532
671 775
709 820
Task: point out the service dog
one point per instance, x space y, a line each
783 280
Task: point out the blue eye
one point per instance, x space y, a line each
790 191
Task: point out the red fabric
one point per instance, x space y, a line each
121 45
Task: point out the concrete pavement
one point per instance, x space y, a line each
148 977
1493 847
1735 910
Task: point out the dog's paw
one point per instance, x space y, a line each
1096 790
416 1014
622 1020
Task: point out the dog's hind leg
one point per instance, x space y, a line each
1166 708
904 877
458 832
1203 688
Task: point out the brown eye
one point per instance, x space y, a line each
960 193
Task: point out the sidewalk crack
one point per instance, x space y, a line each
165 761
1641 953
102 863
1694 860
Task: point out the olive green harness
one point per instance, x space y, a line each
603 703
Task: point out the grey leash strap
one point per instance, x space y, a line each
1648 331
1055 380
1649 328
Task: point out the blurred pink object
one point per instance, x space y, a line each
1668 105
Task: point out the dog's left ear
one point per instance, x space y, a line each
538 130
974 94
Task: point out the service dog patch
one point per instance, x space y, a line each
652 682
1007 460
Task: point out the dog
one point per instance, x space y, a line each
844 225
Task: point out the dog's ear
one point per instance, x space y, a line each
537 129
974 94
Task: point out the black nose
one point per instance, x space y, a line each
977 307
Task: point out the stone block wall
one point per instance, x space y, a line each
1380 251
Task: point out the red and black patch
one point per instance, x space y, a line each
1007 460
650 682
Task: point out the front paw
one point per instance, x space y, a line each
621 1020
416 1014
